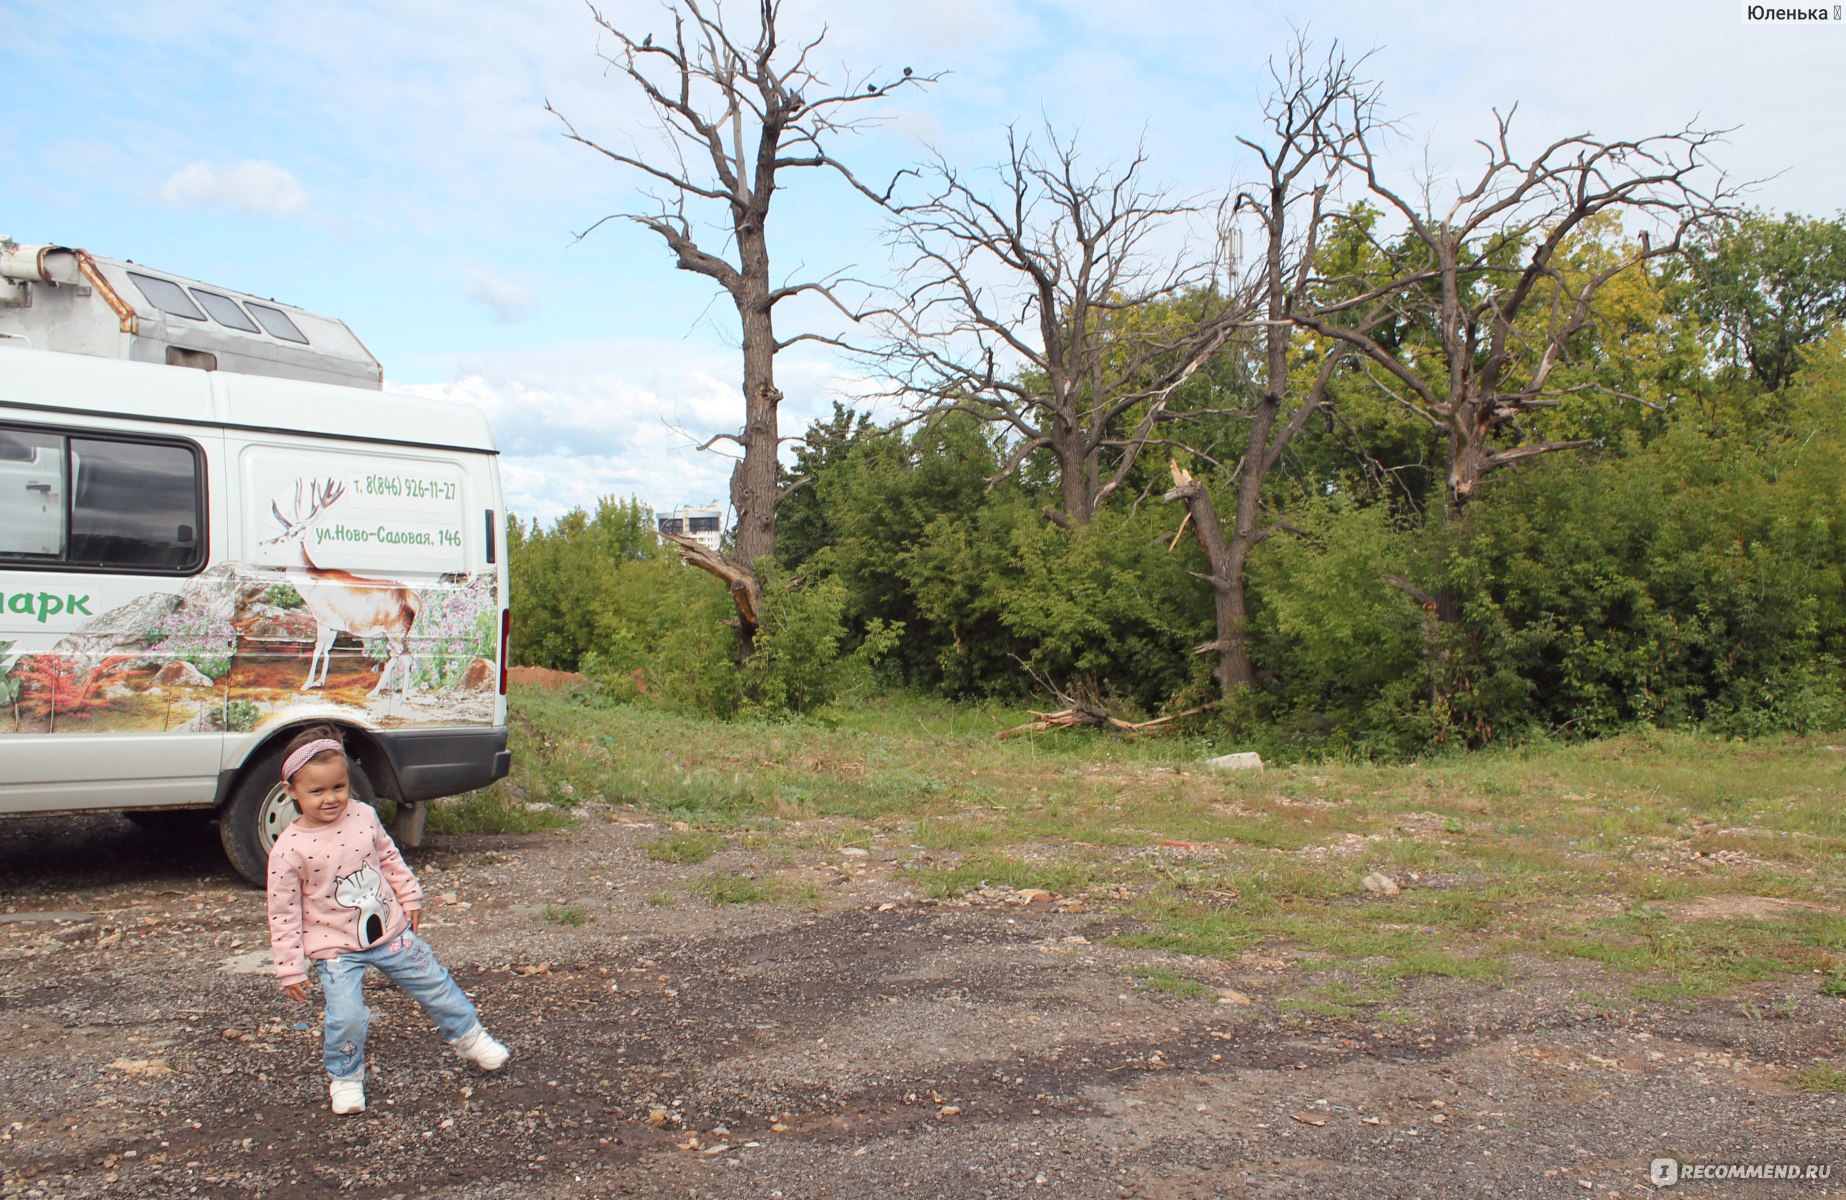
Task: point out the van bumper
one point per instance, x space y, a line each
444 762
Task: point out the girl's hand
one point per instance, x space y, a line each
416 919
298 992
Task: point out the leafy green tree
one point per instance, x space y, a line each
558 574
1695 582
893 494
1344 652
659 636
1768 286
803 661
1113 603
802 528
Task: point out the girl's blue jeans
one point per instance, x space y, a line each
409 963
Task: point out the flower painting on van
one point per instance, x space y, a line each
58 685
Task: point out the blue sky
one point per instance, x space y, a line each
391 163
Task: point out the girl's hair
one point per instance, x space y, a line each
315 733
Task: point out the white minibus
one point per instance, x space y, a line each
216 528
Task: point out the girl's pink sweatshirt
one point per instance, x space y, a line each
335 888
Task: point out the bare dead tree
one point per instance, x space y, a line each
737 107
1047 305
1486 275
1315 115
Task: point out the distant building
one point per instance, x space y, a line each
701 523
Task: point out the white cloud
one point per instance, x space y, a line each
509 302
623 417
252 187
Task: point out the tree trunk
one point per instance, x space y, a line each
1467 457
1076 497
1225 560
753 479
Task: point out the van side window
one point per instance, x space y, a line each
100 503
224 310
167 296
276 322
32 494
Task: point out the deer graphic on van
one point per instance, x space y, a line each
340 601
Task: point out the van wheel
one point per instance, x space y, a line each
260 809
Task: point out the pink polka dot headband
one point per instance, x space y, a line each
299 758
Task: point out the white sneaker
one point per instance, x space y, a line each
348 1096
480 1049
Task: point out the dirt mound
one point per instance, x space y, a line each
543 677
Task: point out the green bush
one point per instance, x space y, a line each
801 661
663 634
1697 582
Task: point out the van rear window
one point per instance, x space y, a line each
94 503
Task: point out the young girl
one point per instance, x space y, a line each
341 897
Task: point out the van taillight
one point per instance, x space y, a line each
506 637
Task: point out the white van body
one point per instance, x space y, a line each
195 564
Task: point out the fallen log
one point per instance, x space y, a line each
1080 716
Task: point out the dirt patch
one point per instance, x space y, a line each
872 1043
1743 908
543 677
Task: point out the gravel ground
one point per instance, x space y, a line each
874 1044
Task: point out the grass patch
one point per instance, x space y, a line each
564 914
1170 983
1000 870
1623 854
690 847
734 889
1180 926
1822 1077
943 833
491 811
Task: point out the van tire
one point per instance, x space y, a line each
260 809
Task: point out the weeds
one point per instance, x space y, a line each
491 811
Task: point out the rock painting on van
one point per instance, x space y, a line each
240 644
236 645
